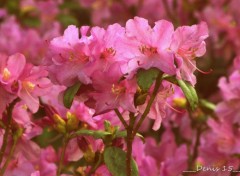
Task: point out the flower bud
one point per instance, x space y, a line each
18 133
86 147
72 121
60 124
180 102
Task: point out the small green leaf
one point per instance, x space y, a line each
170 79
115 160
107 125
69 94
189 92
140 98
66 19
121 134
145 78
207 104
96 134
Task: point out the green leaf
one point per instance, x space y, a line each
140 98
115 160
66 20
189 92
96 134
145 78
120 134
69 94
49 137
170 79
207 104
107 125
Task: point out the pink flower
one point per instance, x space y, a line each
230 87
210 156
176 164
11 68
29 159
147 165
226 137
73 152
188 43
105 46
230 90
102 171
111 92
148 47
24 80
157 110
6 99
32 84
71 55
83 113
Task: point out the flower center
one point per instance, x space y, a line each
116 89
108 52
14 86
29 86
148 50
188 53
6 74
82 57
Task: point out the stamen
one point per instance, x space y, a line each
108 52
176 110
203 72
117 89
30 86
148 50
6 74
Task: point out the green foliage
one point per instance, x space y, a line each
115 160
67 20
96 134
140 98
145 78
69 94
124 134
49 136
190 93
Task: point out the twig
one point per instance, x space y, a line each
60 165
154 94
121 118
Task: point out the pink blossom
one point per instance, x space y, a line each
105 46
11 68
226 137
111 92
176 164
68 52
188 43
102 171
83 113
230 87
146 164
29 159
209 156
6 99
73 152
157 110
33 84
148 47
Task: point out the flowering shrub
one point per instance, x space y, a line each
86 91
